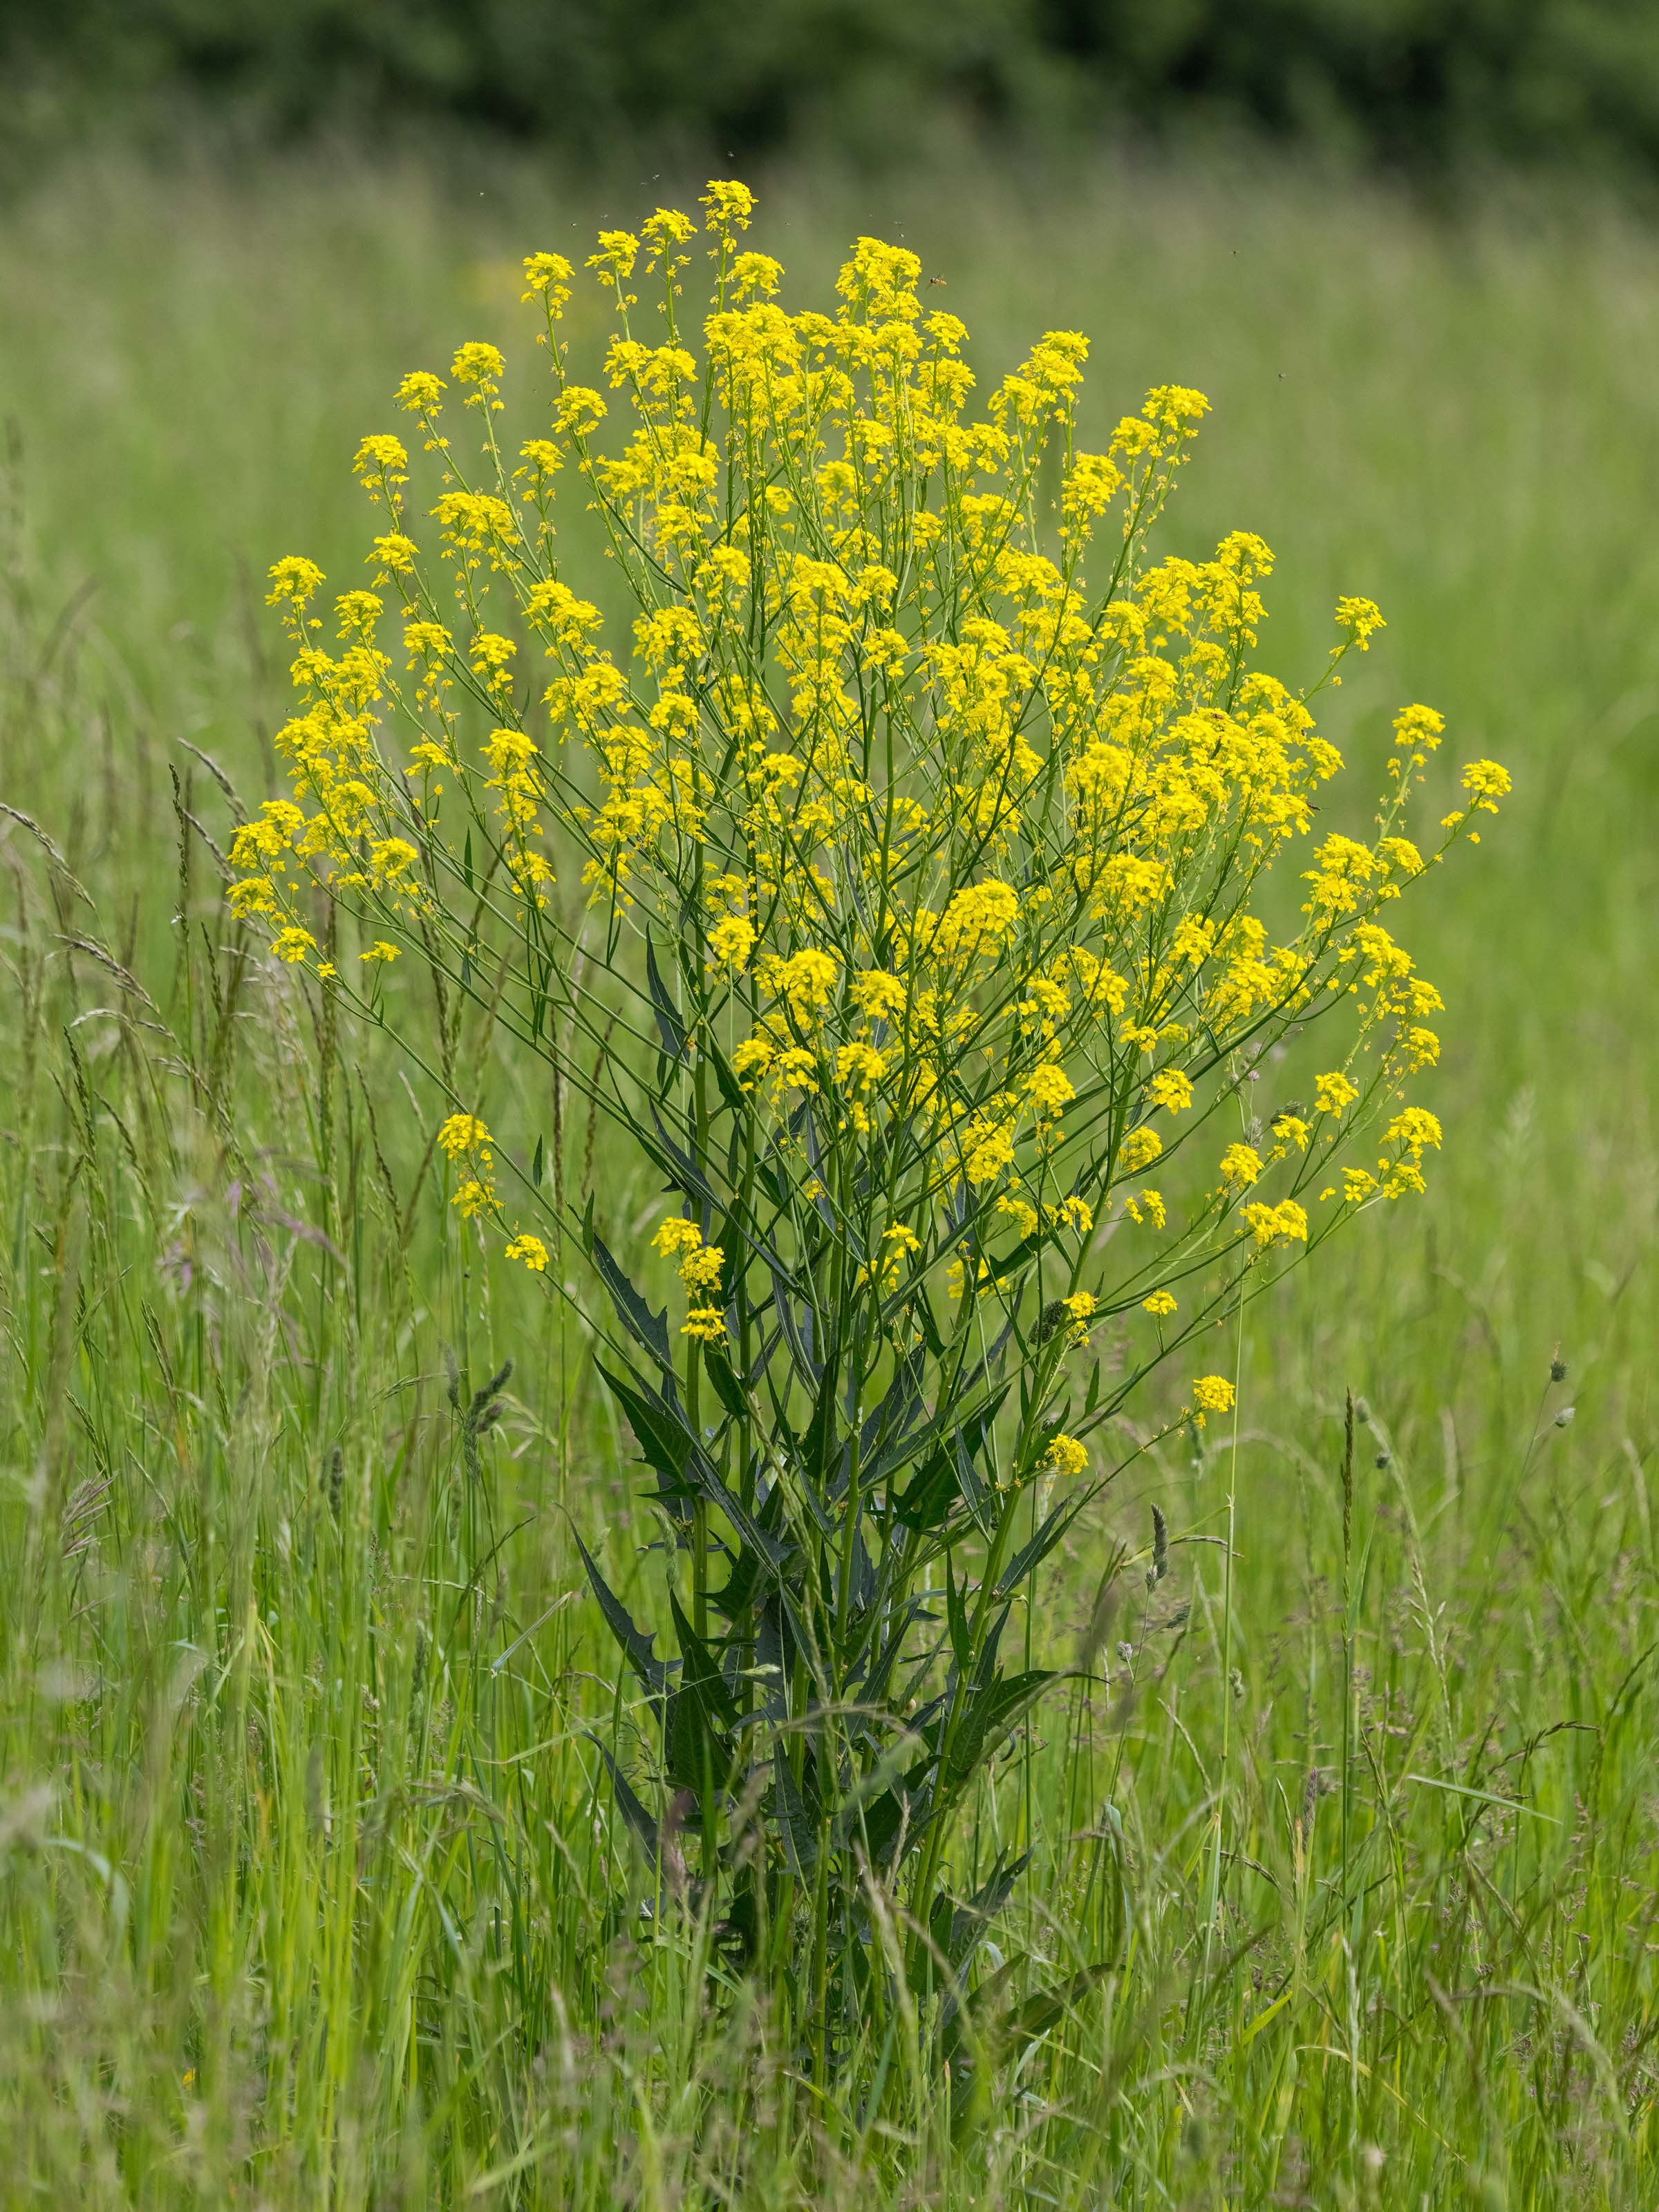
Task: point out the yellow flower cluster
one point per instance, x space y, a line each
955 802
1212 1394
701 1268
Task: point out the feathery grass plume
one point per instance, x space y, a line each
892 880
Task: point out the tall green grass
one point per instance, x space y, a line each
311 1891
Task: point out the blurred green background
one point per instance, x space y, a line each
1408 84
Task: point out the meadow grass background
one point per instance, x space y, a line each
310 1893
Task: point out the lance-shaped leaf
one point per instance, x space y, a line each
895 1762
774 1657
970 1922
946 1424
661 1435
642 1650
630 1807
719 1369
928 1497
703 1715
956 1614
1049 1534
894 1414
669 1027
975 1494
795 1823
818 1441
649 1330
992 1712
678 1163
681 1464
797 1328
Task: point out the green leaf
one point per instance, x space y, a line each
699 1715
698 1670
927 1499
991 1716
630 1806
681 1463
649 1330
955 1614
665 1442
719 1369
669 1027
642 1650
1049 1534
795 1823
968 1922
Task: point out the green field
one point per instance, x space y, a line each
311 1891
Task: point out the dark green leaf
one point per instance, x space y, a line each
649 1330
727 1388
669 1026
927 1499
970 1922
630 1806
642 1650
991 1714
795 1823
956 1613
698 1671
1049 1534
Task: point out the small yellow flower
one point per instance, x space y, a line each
1212 1394
381 951
1141 1148
549 275
1050 1088
420 391
1413 1128
1170 1089
1065 1457
701 1270
381 456
477 363
293 943
1276 1225
1241 1165
531 1249
1486 782
731 940
1359 617
1160 1303
464 1133
1080 1308
751 1059
293 578
395 552
677 1235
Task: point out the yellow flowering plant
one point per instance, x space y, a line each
891 877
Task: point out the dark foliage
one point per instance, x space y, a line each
1417 84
